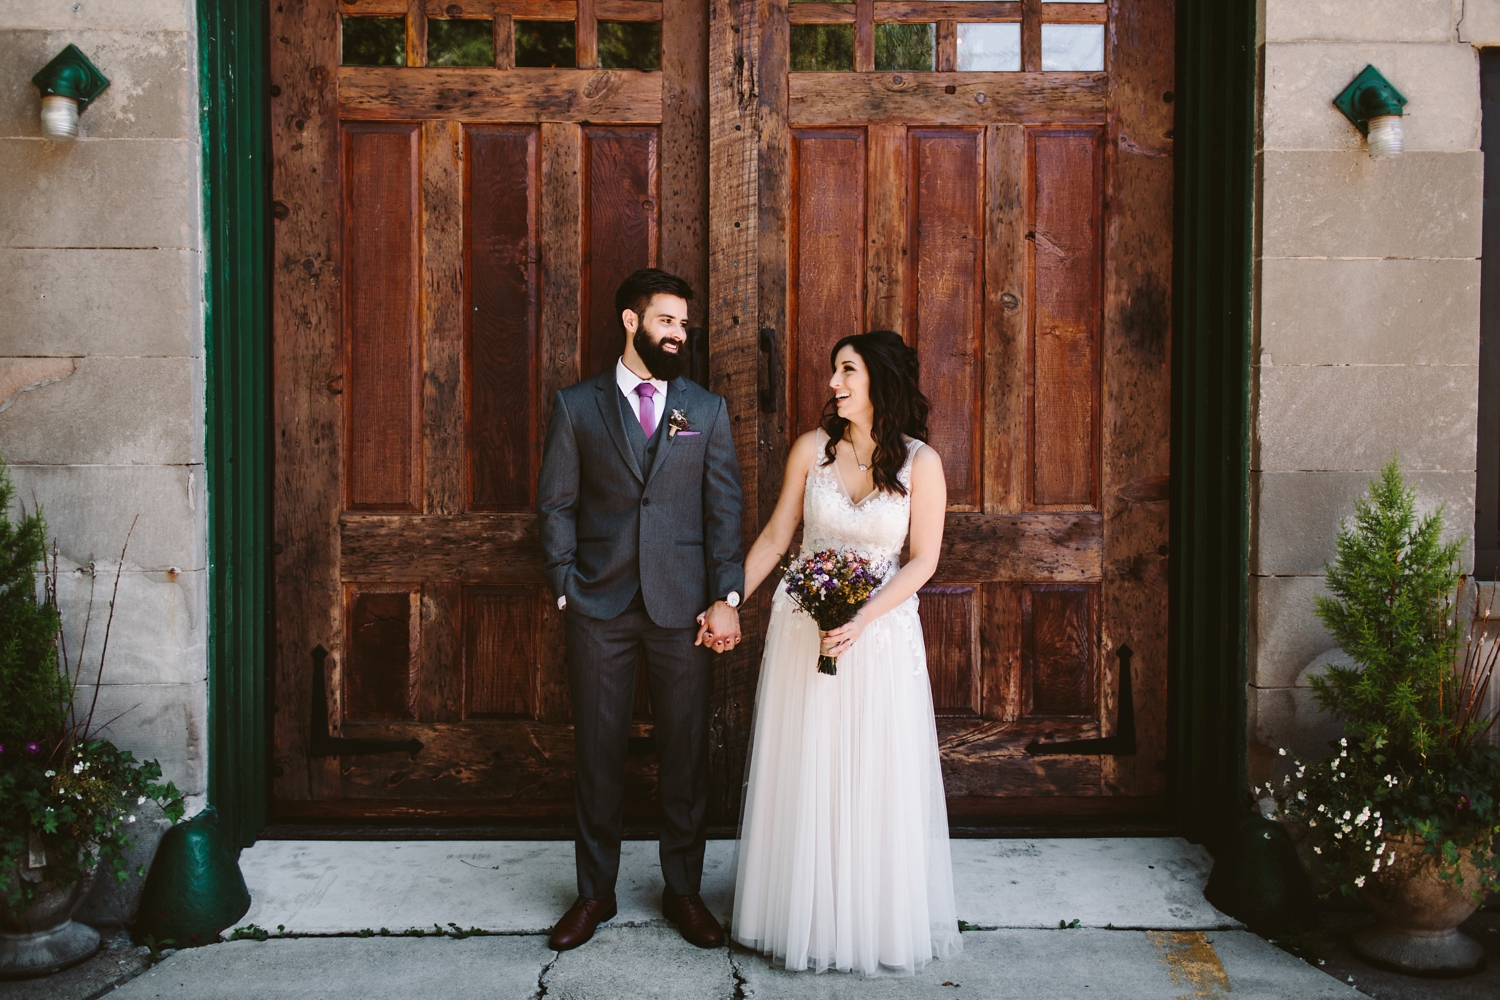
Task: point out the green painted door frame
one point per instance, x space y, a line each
1215 98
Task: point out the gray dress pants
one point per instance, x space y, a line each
601 674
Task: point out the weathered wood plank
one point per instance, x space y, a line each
885 229
1007 306
922 98
1031 36
476 548
586 36
377 93
416 33
653 10
561 237
1137 376
306 315
818 13
621 229
864 36
947 46
442 320
683 158
773 208
505 41
1000 651
1042 547
732 281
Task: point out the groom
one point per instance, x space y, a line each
639 498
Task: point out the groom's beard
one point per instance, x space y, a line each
661 364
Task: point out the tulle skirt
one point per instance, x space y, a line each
843 853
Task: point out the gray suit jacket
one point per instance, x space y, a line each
609 528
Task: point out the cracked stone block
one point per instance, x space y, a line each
643 963
169 15
1362 20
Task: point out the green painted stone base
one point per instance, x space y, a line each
195 889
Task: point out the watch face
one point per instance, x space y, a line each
733 600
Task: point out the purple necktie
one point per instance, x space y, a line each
648 411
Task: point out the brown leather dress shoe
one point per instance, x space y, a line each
579 923
693 920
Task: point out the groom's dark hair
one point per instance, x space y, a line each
635 292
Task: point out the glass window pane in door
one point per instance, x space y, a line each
993 48
630 44
905 46
460 43
545 44
1072 48
822 47
374 41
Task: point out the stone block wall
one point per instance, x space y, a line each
1367 313
101 352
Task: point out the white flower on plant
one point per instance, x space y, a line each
1337 835
1282 751
78 768
1376 867
1320 807
1343 742
141 801
1317 850
49 774
1346 814
1312 822
1301 796
1360 882
1390 860
1381 848
1341 774
130 818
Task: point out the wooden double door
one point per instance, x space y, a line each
448 239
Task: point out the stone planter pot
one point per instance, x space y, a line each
1419 913
44 938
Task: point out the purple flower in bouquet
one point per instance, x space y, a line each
831 586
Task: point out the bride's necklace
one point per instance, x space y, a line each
863 466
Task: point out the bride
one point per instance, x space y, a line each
843 857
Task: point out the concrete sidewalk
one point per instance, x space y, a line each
644 963
339 914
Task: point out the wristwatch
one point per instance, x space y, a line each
732 598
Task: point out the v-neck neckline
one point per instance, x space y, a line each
844 487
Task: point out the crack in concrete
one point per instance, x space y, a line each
18 375
541 977
740 982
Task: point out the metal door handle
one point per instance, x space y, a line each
768 348
1122 744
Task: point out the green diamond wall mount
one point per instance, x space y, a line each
1374 106
69 83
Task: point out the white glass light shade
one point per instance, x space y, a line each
59 117
1385 137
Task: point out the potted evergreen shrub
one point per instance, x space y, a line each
68 797
1405 810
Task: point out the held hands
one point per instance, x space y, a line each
718 628
841 638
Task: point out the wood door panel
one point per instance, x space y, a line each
945 319
622 229
500 676
376 93
503 311
379 671
950 628
1066 171
381 383
827 258
1057 652
922 98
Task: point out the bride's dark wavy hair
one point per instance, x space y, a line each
900 407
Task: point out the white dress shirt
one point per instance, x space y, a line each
627 380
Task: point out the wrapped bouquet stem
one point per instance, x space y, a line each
831 586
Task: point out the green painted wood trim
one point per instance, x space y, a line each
1209 588
232 60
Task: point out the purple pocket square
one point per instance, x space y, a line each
688 433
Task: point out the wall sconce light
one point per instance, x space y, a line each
68 84
1374 106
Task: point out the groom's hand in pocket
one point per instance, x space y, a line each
718 628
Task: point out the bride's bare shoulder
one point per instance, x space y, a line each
926 461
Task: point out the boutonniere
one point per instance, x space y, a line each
678 423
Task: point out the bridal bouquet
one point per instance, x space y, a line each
831 586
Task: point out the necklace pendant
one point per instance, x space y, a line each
864 468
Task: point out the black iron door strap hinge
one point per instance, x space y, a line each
320 744
1122 744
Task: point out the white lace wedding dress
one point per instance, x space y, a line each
843 852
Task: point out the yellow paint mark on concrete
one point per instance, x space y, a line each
1190 961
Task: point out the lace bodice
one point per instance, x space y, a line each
875 527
